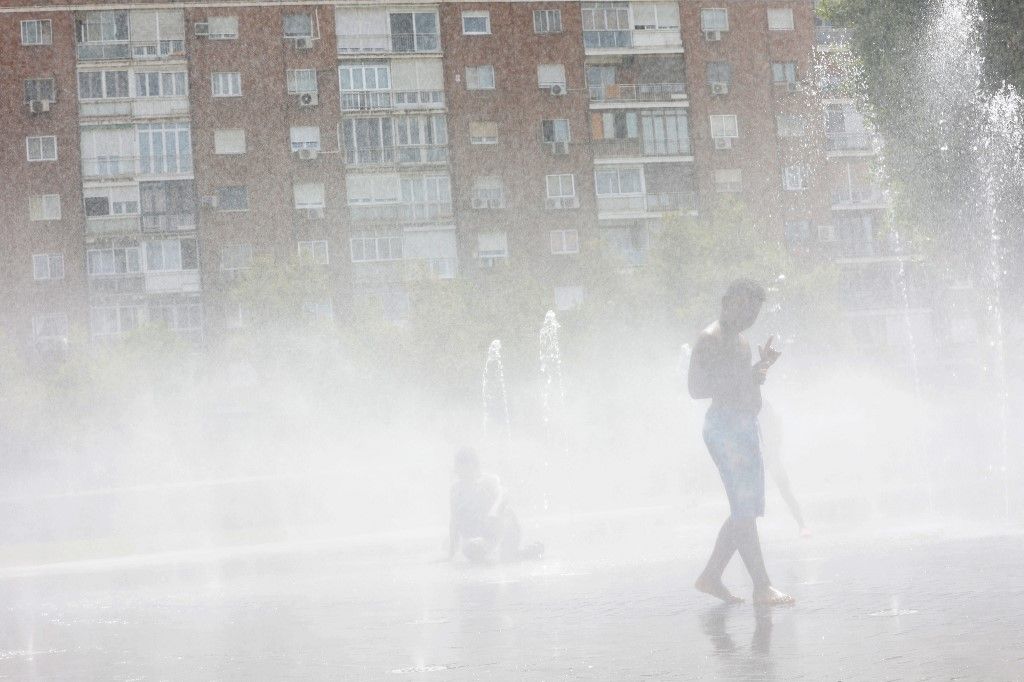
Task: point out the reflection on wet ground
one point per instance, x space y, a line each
606 605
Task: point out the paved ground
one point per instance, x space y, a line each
612 602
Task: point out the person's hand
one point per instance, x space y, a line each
768 354
760 373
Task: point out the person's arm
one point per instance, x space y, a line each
701 379
768 357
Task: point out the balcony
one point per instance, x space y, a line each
637 92
173 281
853 143
123 167
96 226
112 285
168 222
148 107
625 40
380 100
130 50
665 202
637 148
397 156
855 198
405 213
384 43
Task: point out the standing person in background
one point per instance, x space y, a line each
771 450
721 369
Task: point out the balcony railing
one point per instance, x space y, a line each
849 142
637 92
650 203
114 224
606 149
397 156
140 107
856 197
415 212
168 222
138 50
132 283
377 43
626 38
607 39
129 166
373 100
827 36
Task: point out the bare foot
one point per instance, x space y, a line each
716 589
773 597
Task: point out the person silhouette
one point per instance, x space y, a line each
721 369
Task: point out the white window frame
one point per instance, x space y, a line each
53 263
40 322
53 88
542 21
727 123
483 139
560 177
303 206
304 143
38 205
316 251
555 128
293 76
489 191
220 79
786 13
228 26
661 23
168 84
45 37
104 262
642 191
546 84
489 256
221 141
106 76
172 254
393 248
473 82
39 141
714 11
477 14
786 69
565 242
795 177
293 36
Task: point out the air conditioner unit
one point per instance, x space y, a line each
308 154
309 99
202 29
556 89
315 213
719 88
723 143
559 148
562 202
712 36
209 201
826 233
39 106
304 43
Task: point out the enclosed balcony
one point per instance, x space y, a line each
637 92
398 84
121 35
611 27
378 31
664 202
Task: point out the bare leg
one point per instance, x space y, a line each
710 581
749 546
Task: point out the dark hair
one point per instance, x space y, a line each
746 288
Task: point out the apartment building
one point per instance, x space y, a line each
160 150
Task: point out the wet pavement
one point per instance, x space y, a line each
611 602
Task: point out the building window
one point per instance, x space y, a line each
102 84
165 148
40 90
318 311
780 19
161 84
227 84
784 72
724 126
617 182
551 77
36 32
305 137
223 28
491 247
488 192
714 19
666 132
719 73
47 266
171 255
104 202
547 21
115 261
298 26
555 131
795 177
233 198
483 132
229 141
236 257
565 242
50 327
615 125
44 207
606 24
655 16
480 77
414 32
729 180
314 252
561 191
41 148
369 249
308 195
114 320
301 80
476 23
789 125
